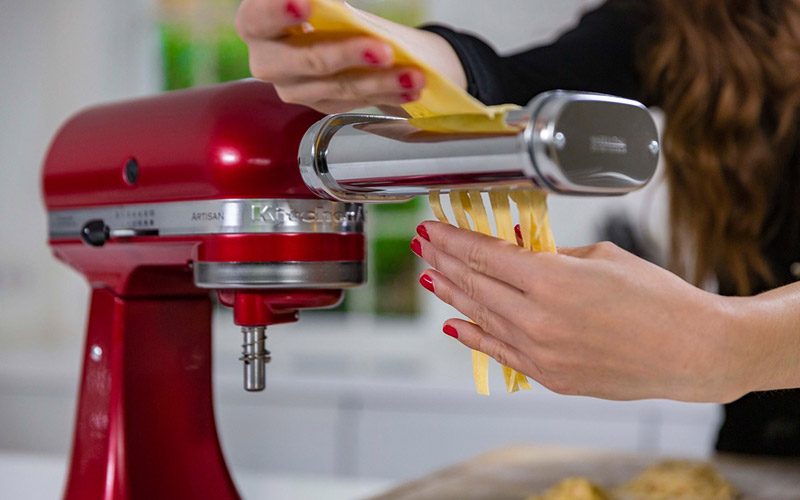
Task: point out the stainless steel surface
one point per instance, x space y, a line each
254 358
266 275
131 233
315 148
590 144
213 217
568 142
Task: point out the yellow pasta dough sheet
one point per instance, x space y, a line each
443 106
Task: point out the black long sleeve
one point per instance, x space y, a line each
598 55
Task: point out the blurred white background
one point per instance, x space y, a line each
363 401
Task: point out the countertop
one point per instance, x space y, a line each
41 477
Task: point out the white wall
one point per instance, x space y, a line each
56 56
509 24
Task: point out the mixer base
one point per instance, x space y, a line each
145 423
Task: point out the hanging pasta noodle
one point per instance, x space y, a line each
462 205
504 221
532 208
445 107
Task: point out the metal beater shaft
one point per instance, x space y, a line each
255 357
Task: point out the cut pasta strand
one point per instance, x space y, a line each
470 213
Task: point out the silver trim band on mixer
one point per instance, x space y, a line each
265 275
226 216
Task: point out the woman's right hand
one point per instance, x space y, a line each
337 74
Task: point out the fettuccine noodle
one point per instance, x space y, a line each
470 213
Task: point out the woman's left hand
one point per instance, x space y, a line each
594 321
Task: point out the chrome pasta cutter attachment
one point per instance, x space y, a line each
566 142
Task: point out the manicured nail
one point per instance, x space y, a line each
423 232
449 330
416 247
406 81
518 232
408 97
371 58
427 282
293 10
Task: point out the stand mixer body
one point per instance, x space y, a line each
160 201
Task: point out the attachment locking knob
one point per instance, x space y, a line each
95 233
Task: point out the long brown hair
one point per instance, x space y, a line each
727 74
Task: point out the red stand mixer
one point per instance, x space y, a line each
160 201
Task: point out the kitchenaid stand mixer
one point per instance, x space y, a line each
161 201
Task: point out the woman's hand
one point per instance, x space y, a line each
336 74
594 321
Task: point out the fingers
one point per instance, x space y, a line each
496 258
500 325
498 296
269 18
476 338
387 86
329 71
297 58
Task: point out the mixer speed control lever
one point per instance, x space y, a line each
96 233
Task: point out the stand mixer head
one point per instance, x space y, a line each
202 186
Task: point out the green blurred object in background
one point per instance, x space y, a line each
408 12
199 43
392 289
200 47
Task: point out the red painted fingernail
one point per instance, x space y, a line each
416 247
518 232
408 97
427 282
423 232
449 330
294 10
406 81
371 58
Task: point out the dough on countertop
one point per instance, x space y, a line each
677 479
574 488
670 480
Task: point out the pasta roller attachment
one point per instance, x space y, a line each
562 142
